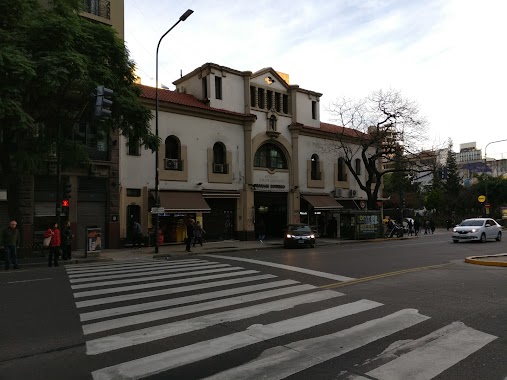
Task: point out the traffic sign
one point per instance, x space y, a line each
157 210
487 205
481 198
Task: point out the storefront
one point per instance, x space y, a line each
220 222
179 207
319 212
357 223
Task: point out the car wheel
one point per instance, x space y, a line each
483 238
454 241
499 236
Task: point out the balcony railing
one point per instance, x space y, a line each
101 8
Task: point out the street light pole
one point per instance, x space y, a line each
183 17
486 164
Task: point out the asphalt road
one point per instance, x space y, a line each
401 309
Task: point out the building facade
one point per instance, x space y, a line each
240 151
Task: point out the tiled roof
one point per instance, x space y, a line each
341 130
180 98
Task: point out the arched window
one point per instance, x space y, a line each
219 158
172 153
270 156
315 174
342 174
358 166
219 153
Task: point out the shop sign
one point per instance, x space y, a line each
271 182
367 226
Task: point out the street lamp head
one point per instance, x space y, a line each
185 15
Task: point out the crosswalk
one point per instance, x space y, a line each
138 309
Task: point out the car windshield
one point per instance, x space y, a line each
472 223
300 228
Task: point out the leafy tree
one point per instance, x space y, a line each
53 59
452 185
382 129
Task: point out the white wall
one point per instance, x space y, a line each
304 109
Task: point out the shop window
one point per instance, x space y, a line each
270 156
219 158
172 153
342 174
315 169
358 166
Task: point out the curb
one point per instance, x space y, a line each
478 260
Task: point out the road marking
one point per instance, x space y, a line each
141 307
282 362
240 272
438 352
161 292
132 338
133 269
176 312
80 268
35 279
383 275
110 262
164 361
287 267
144 273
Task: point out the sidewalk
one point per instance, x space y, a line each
177 250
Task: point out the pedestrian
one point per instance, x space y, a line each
432 226
137 235
417 226
190 234
261 229
198 233
67 236
9 240
410 227
54 244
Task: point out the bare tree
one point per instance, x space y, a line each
381 129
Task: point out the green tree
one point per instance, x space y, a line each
453 182
53 59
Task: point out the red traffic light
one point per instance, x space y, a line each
65 203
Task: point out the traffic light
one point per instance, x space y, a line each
67 191
103 102
65 203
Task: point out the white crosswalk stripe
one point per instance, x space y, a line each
127 305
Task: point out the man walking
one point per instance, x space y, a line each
10 241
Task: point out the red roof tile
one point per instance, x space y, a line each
326 127
175 97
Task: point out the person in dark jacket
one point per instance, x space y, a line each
67 242
190 234
417 226
198 233
10 241
54 244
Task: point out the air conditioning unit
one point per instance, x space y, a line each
338 193
218 168
352 193
172 164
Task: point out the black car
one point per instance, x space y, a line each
299 234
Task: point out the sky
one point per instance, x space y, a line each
449 56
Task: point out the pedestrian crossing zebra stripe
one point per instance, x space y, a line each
122 264
233 271
109 262
440 350
311 272
146 335
142 307
195 308
139 268
161 292
144 273
164 361
292 358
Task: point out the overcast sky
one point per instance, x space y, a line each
447 55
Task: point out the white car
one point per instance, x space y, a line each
480 229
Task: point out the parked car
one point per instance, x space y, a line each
479 229
299 234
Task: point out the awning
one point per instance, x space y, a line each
183 201
322 202
220 194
